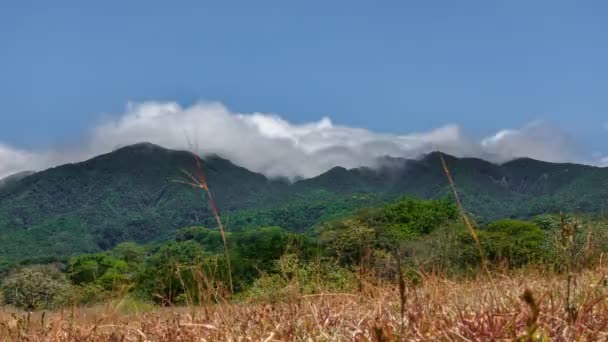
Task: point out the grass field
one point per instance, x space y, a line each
435 309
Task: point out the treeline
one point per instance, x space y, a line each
270 262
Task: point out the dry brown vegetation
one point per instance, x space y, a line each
526 305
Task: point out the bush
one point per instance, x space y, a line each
130 305
36 288
210 239
519 242
100 269
515 242
348 239
411 217
385 228
294 277
171 272
90 294
129 252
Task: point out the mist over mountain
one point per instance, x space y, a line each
269 144
130 195
15 177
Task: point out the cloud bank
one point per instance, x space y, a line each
268 144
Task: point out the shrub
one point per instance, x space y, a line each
90 294
514 242
270 288
210 239
130 305
36 288
409 217
294 277
129 252
385 228
547 222
172 271
519 242
101 269
347 239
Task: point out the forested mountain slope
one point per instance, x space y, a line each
129 194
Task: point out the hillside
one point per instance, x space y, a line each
14 178
129 195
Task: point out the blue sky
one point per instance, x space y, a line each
388 66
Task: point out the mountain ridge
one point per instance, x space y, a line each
130 194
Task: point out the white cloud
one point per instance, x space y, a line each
268 144
13 160
536 140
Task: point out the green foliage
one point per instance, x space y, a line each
252 251
266 244
410 217
36 288
271 264
293 276
518 242
269 288
131 305
129 252
448 249
88 294
506 242
101 269
171 272
284 238
547 222
348 239
210 239
127 195
385 228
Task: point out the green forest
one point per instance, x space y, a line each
124 225
269 262
132 194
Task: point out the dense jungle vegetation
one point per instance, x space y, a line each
131 195
366 251
425 235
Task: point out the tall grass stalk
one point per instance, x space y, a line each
467 222
200 182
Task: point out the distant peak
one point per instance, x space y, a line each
337 169
436 155
140 146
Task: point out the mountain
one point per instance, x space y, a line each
130 194
15 177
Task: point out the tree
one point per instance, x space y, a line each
129 252
256 251
210 239
348 239
100 269
517 241
36 288
172 272
410 217
385 228
262 245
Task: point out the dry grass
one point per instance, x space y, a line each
437 309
